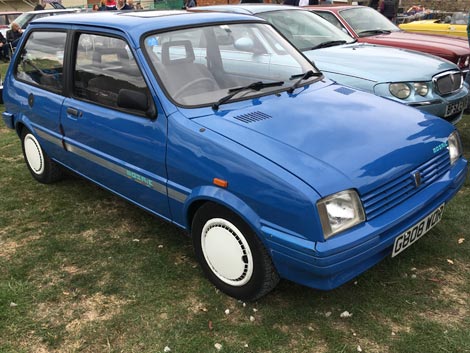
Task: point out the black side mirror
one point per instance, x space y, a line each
130 99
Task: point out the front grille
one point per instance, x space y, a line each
387 196
448 82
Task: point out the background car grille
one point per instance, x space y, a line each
393 193
448 82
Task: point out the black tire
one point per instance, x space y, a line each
41 167
231 255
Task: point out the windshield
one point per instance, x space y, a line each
366 21
305 29
23 19
199 66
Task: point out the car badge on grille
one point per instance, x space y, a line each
417 179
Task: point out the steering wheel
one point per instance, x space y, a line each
192 83
30 63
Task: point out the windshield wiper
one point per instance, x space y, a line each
302 77
330 43
374 31
255 86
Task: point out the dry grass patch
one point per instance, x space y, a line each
450 291
8 248
76 313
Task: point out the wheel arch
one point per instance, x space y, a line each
223 198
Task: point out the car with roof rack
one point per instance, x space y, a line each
217 124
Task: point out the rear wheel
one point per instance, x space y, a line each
41 167
231 255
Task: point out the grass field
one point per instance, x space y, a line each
83 271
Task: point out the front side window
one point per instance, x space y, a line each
41 60
199 66
104 67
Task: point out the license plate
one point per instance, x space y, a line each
412 235
456 107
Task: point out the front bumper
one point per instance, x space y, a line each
327 265
450 110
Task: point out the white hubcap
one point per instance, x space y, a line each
227 252
33 153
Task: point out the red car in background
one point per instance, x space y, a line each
369 26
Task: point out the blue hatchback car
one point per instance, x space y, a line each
215 123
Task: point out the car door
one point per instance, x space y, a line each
39 84
121 149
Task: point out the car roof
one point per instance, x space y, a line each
53 11
249 9
137 22
333 8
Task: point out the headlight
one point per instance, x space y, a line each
339 212
455 147
421 88
400 90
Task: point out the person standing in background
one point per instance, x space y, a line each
301 2
389 9
374 4
39 6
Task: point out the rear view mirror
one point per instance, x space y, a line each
130 99
244 44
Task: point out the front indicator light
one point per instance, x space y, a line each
339 212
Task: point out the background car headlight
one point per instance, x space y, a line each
421 88
455 147
400 90
339 212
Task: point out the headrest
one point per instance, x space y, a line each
178 57
120 53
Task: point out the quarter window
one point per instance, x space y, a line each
41 61
104 66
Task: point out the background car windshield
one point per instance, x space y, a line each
24 18
305 29
198 66
367 19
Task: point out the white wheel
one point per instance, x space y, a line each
227 252
33 154
231 254
41 167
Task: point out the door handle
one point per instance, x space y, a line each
74 112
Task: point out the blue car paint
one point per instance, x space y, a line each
277 168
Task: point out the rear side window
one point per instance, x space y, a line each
104 66
41 61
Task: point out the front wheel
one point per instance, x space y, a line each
41 167
231 255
